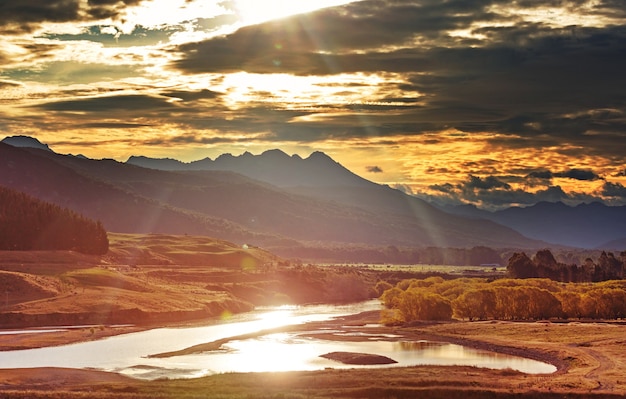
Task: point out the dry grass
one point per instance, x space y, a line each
590 357
145 275
152 280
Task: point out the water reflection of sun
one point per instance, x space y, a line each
276 318
273 352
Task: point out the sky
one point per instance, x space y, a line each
487 102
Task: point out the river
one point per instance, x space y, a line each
129 353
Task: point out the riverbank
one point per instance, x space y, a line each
151 280
143 281
589 356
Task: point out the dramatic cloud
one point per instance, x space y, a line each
485 102
614 190
123 103
488 183
519 79
494 196
24 15
576 174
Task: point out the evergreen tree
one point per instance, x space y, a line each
27 223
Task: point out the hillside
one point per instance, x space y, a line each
145 279
27 223
46 175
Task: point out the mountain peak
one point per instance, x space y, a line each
276 153
226 155
272 166
26 142
319 155
155 163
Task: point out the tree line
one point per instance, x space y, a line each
475 256
27 223
504 299
544 265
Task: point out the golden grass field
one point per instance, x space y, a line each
167 280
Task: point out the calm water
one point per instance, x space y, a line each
128 354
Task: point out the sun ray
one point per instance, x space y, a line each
254 11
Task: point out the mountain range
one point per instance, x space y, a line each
592 225
271 200
273 167
588 226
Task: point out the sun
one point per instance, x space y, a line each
255 11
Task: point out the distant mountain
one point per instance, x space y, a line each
588 226
47 176
274 167
614 245
129 198
26 142
321 178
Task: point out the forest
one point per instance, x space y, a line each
544 265
502 299
27 223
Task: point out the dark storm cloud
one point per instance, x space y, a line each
487 183
500 198
541 174
492 193
113 125
374 169
444 188
576 174
295 45
579 174
119 103
24 15
193 95
525 80
613 190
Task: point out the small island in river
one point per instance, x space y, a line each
363 359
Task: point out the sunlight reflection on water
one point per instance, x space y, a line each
128 354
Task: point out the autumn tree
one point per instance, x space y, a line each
415 304
476 304
502 299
